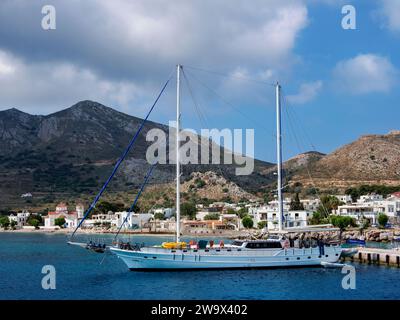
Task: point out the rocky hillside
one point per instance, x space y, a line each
372 159
71 152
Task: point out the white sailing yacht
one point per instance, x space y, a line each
273 252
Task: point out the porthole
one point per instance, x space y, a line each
327 255
298 258
308 257
287 258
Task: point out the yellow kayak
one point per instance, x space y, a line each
173 245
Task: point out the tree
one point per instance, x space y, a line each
159 216
328 203
242 212
4 222
364 224
188 209
212 216
316 218
382 220
342 222
105 206
295 203
13 224
59 221
230 211
261 224
247 222
36 217
199 183
34 223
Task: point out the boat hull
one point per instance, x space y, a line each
159 259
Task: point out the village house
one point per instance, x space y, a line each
20 218
72 218
370 206
167 212
206 226
134 220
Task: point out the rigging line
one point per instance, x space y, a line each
233 106
136 199
307 165
230 76
302 128
202 144
126 151
199 113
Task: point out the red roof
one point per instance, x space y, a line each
396 194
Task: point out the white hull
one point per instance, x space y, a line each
149 258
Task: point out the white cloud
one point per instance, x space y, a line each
390 13
365 73
307 92
127 45
42 87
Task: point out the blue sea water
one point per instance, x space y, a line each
79 275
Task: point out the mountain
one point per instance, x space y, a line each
71 152
371 159
68 155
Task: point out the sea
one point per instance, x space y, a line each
81 274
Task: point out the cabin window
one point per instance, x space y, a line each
264 245
237 243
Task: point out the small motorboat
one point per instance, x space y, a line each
356 241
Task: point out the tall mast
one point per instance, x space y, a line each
279 153
178 174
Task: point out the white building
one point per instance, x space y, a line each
72 218
135 220
295 218
370 206
345 198
167 212
20 219
310 204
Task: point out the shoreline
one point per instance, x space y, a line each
80 232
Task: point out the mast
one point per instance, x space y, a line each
279 153
178 174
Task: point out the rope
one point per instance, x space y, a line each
136 199
231 105
120 159
300 150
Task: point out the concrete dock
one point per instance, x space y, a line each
390 257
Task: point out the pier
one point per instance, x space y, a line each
389 257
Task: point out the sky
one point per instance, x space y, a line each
337 84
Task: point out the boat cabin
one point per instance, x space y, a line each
258 244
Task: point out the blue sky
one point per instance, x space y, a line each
338 84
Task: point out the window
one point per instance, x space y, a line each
237 243
264 245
